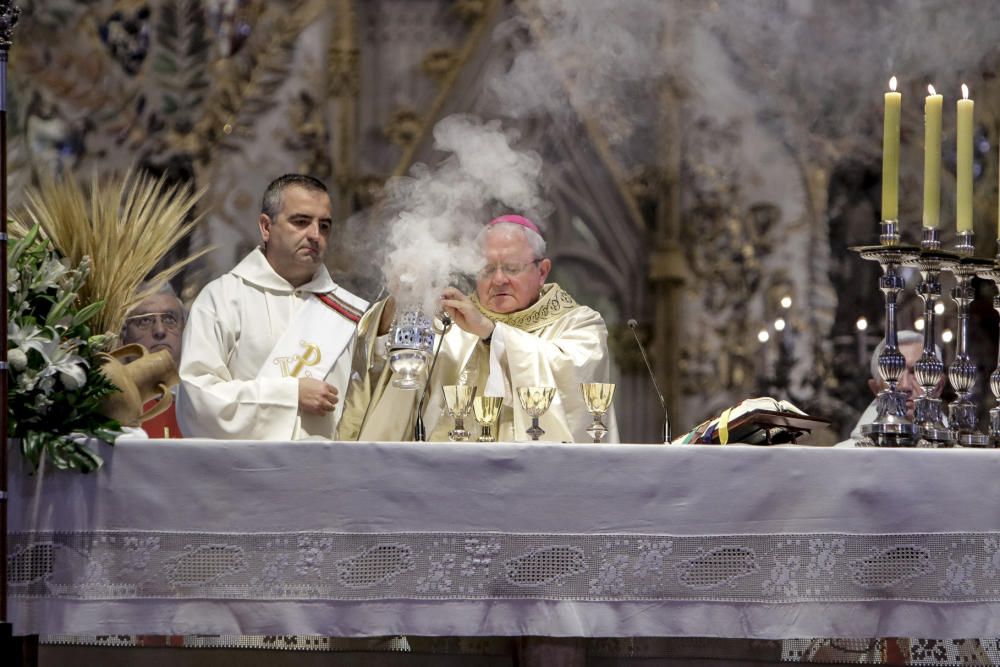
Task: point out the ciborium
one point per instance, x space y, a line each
597 396
535 401
458 400
411 341
487 411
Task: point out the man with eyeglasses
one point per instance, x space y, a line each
158 324
515 330
268 345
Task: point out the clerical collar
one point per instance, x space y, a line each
553 303
255 269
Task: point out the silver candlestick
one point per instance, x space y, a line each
994 276
891 428
927 409
962 372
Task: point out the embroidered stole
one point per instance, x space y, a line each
553 303
322 329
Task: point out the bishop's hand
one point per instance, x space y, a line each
465 314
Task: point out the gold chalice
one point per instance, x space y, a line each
487 411
458 398
597 396
535 401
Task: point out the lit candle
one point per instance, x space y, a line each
963 169
932 158
890 154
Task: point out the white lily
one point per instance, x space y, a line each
31 337
73 380
71 367
49 274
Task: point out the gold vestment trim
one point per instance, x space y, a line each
553 303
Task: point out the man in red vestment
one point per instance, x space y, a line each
157 324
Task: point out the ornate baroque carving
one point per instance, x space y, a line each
9 13
404 127
440 63
342 71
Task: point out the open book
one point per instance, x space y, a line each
755 421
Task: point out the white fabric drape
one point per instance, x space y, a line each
357 539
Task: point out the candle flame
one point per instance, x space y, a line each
930 90
965 92
892 84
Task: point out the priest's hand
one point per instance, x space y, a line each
465 314
316 397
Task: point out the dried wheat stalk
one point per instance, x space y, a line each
126 225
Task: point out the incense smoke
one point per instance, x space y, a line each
596 59
572 57
438 213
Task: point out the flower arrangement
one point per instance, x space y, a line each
74 274
55 382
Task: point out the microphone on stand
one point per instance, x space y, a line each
632 324
419 432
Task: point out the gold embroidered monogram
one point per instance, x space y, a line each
292 366
553 303
311 343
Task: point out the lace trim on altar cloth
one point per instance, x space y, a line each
895 651
971 652
257 642
344 566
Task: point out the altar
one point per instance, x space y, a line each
461 539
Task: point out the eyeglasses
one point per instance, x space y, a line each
509 270
146 321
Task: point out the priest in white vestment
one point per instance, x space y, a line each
268 346
514 331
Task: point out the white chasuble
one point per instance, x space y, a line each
233 330
555 343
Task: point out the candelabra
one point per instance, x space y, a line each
994 276
962 372
891 428
927 409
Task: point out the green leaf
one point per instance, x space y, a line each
109 434
22 244
31 447
87 312
79 457
59 309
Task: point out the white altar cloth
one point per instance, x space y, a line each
348 539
